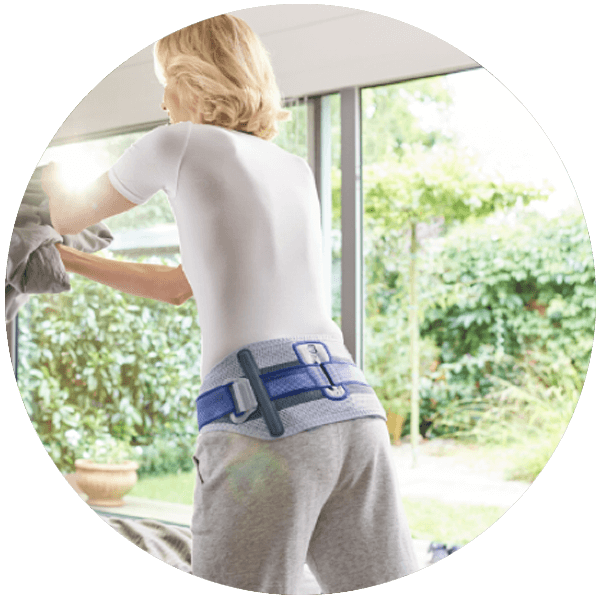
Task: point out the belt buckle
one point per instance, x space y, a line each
315 353
244 400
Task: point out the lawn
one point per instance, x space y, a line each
428 519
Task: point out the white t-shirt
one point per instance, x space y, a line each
248 218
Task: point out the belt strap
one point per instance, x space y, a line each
331 378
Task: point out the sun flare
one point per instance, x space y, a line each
77 167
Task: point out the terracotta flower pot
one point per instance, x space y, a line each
105 484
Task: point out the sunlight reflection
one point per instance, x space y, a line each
76 169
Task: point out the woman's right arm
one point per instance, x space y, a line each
158 282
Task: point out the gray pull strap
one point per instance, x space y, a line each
267 409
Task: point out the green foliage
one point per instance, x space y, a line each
101 362
532 410
390 117
492 292
493 305
432 183
103 449
167 454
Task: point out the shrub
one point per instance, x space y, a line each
487 291
100 362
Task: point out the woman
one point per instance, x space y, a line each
293 459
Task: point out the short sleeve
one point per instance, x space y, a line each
151 164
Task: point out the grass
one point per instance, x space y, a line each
448 523
427 519
177 488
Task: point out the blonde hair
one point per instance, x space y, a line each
223 75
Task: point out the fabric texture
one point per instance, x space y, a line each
328 497
170 543
313 408
34 265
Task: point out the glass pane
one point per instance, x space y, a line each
460 161
292 134
477 252
94 362
293 138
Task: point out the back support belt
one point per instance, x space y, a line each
257 390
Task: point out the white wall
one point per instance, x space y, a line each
314 49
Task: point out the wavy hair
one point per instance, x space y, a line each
223 75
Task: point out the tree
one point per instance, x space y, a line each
426 185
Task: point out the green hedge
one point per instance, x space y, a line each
95 361
490 296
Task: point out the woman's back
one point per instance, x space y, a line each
248 219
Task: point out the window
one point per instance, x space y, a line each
452 133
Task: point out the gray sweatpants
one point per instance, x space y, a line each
327 497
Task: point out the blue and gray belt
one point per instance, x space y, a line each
260 389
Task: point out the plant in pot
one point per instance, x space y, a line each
106 471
